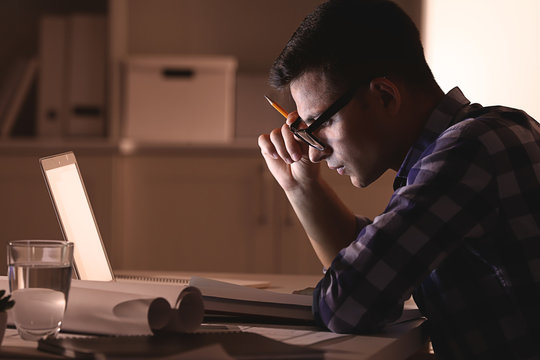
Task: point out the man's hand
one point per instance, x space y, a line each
329 225
287 158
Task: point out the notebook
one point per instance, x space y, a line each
78 224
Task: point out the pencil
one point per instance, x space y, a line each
276 106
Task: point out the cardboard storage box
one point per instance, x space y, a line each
185 99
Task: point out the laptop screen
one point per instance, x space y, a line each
75 215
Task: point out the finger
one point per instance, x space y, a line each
266 146
293 115
279 144
294 148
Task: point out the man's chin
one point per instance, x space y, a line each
357 182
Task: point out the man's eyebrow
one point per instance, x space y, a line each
311 118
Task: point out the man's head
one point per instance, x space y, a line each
373 48
354 40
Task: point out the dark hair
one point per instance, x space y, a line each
353 40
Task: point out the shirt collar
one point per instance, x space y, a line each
440 119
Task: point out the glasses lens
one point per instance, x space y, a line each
304 134
309 139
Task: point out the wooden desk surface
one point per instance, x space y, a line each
398 341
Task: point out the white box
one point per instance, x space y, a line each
186 99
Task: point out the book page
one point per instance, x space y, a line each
225 290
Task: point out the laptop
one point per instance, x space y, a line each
78 224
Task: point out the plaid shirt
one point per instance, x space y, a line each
461 233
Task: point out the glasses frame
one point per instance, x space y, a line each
306 135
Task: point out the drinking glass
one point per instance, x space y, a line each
39 273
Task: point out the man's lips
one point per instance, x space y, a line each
339 169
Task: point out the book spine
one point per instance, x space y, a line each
86 75
52 79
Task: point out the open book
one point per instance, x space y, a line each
117 308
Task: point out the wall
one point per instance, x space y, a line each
252 30
488 48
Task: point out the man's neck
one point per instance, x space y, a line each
419 105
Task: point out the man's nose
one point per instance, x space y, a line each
316 156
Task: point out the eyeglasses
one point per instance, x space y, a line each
306 134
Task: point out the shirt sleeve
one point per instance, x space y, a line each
446 199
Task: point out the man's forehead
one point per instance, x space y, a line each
311 94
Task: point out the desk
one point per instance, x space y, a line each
398 341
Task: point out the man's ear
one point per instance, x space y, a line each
388 93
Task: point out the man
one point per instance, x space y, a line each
461 232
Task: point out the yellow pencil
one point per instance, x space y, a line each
276 106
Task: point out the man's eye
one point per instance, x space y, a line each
327 123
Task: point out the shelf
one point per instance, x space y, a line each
28 146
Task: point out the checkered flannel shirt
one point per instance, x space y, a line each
461 233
